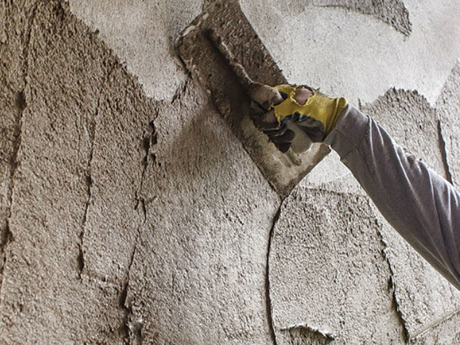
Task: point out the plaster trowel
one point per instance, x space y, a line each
223 52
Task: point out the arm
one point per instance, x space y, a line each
422 206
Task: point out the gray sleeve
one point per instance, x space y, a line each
422 206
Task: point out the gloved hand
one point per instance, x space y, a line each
315 113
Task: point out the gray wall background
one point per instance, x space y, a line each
130 214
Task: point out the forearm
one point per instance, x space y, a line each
422 206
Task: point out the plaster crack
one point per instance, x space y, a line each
7 235
445 160
268 301
89 190
392 288
133 326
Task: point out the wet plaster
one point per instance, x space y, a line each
448 106
423 295
137 221
392 12
207 236
328 275
70 85
12 108
440 333
358 56
142 34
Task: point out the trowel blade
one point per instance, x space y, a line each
206 63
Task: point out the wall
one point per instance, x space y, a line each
130 213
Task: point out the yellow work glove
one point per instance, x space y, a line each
317 117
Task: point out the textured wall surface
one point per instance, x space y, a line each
130 213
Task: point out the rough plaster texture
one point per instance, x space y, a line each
424 297
65 86
128 220
199 271
441 333
327 271
448 107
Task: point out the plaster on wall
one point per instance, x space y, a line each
137 221
142 34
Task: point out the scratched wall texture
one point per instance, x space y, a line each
130 214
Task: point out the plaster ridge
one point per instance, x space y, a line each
268 301
443 148
322 188
392 288
323 333
135 327
128 326
436 323
89 182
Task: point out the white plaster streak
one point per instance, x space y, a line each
436 323
322 332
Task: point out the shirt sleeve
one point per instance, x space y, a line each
421 205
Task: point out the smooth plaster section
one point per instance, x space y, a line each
358 56
142 33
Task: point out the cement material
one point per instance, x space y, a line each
448 106
327 272
198 274
392 12
132 221
423 296
11 106
210 67
441 333
412 123
142 33
67 79
409 119
358 56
